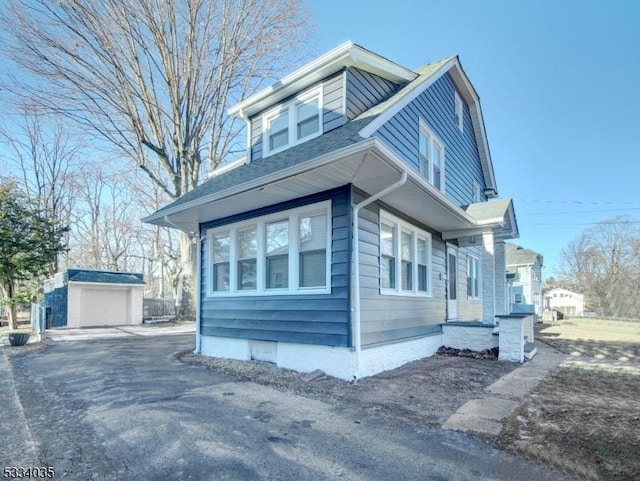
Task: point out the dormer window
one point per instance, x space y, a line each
431 157
458 112
294 122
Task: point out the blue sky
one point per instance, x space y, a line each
558 82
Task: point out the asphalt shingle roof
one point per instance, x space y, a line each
335 139
106 277
516 255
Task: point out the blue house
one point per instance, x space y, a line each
362 224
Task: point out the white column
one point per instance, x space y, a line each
500 278
488 277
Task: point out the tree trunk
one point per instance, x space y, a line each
13 307
186 287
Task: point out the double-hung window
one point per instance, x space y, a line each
293 122
312 239
406 250
287 252
458 111
431 155
221 246
247 252
473 277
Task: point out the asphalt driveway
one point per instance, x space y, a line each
126 408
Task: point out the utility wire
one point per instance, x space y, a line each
580 202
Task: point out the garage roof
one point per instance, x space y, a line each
108 277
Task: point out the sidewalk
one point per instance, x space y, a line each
487 414
18 448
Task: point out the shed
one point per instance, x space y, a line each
87 298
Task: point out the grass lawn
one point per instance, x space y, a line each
585 417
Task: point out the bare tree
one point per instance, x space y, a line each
604 264
43 160
152 77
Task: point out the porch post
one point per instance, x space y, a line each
500 277
488 278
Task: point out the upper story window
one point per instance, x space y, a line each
405 258
284 253
431 155
475 192
293 122
458 111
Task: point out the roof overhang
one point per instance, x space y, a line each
369 165
346 55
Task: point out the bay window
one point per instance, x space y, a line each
407 250
283 253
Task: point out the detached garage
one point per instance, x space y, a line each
88 298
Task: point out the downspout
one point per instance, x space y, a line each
356 267
173 225
247 123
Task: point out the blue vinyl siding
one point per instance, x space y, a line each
332 112
436 107
364 90
392 318
322 319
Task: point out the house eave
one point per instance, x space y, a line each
346 55
368 165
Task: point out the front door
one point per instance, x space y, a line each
452 287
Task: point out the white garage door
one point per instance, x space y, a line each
102 307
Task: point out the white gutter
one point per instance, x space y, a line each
356 268
198 285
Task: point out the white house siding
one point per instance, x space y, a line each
386 318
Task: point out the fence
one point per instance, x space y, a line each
158 308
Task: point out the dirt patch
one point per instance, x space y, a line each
425 392
583 421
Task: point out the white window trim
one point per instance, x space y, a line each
431 140
459 111
290 108
294 265
416 233
478 295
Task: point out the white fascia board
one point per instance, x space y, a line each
107 284
346 55
403 100
296 169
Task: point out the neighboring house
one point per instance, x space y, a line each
87 298
563 300
524 267
363 218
